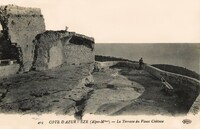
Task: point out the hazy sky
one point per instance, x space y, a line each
122 21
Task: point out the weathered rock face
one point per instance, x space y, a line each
20 26
54 48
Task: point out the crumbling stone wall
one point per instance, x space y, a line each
54 48
48 44
79 49
20 26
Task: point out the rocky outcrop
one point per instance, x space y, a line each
59 91
20 26
54 48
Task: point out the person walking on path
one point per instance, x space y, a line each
141 63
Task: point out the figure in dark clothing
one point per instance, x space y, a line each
141 63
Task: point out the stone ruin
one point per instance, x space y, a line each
23 39
54 48
20 26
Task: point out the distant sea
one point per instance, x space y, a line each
180 54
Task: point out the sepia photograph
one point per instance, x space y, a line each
99 64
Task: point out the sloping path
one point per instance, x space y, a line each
126 91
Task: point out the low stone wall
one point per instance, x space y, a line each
107 64
126 64
8 70
194 84
179 79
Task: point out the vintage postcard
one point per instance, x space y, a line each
99 64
